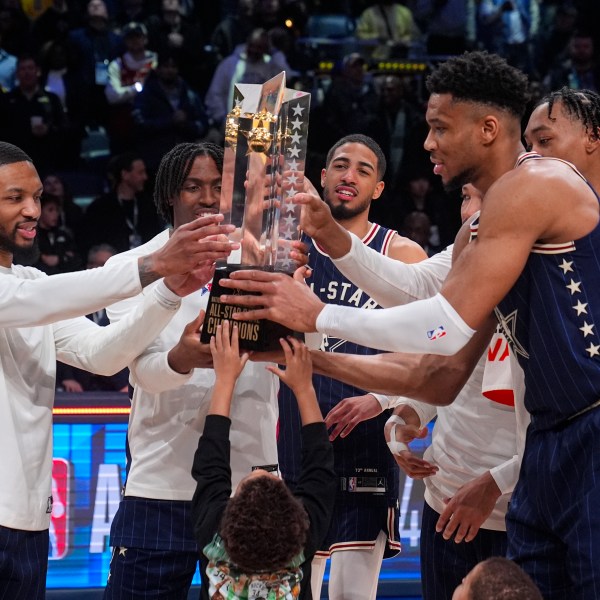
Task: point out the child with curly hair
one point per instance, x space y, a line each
260 542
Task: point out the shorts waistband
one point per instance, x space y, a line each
584 410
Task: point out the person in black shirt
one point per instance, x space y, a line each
125 217
260 542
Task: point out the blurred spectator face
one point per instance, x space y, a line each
171 11
56 56
50 215
267 12
54 185
96 10
246 8
27 73
419 187
168 71
257 46
471 201
136 177
581 49
98 258
133 8
136 43
392 91
353 69
417 227
565 19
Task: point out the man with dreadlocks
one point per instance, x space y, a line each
565 124
152 537
532 259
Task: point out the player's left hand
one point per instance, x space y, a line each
283 299
468 509
346 415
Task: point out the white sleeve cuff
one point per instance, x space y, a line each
166 297
506 474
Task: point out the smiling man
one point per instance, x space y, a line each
154 549
37 327
364 527
534 257
565 124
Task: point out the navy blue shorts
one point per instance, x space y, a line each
553 521
154 550
444 563
23 564
356 527
138 574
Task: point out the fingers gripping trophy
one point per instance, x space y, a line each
263 168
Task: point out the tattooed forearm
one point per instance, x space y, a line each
146 271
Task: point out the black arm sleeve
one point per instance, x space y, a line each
317 483
212 473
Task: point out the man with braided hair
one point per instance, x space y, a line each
534 264
154 549
566 124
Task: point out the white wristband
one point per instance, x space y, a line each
396 447
383 400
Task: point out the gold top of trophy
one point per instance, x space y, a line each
260 137
231 126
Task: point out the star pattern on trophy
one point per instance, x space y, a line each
294 152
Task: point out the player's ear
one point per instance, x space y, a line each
490 126
378 190
592 142
323 173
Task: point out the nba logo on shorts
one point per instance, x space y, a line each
59 518
437 333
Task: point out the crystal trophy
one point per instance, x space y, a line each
263 168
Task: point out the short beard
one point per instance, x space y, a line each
342 212
22 255
457 182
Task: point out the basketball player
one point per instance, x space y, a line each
37 326
534 258
154 549
470 468
364 527
566 124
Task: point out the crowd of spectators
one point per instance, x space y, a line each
143 75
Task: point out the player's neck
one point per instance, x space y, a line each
358 225
6 258
593 178
497 166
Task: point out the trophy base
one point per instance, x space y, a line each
260 336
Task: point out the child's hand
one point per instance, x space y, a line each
298 372
225 350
